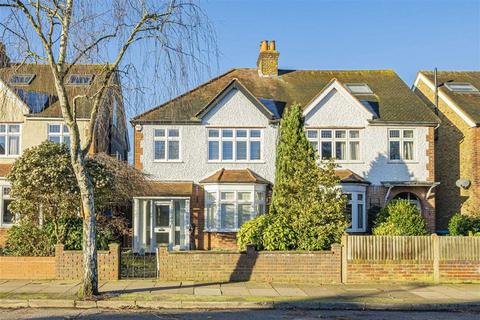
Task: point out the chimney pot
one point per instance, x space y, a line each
272 45
263 46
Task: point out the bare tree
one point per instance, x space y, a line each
66 33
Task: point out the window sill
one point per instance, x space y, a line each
356 230
167 161
237 162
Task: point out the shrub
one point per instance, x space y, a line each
29 239
400 218
251 232
463 225
279 234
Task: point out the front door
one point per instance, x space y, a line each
163 223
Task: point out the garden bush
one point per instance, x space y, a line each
400 218
251 232
464 225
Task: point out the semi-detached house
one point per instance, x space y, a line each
210 153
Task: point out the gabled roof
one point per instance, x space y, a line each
234 176
5 169
235 84
394 101
43 87
348 176
469 103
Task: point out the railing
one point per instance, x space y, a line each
137 265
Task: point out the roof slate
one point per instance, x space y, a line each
396 102
468 102
166 189
234 176
348 176
5 169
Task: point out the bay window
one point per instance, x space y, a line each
401 144
58 133
9 139
234 145
228 207
340 144
166 144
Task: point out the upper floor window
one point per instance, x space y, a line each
235 145
340 144
167 144
9 139
58 133
80 79
358 88
22 79
461 87
401 144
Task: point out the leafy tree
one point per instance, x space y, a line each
464 225
400 218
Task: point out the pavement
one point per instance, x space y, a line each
150 294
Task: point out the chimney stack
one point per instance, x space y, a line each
267 62
4 59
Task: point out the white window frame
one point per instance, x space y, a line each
217 189
166 138
364 85
451 87
69 80
333 141
354 202
4 197
401 139
8 134
64 132
234 140
27 79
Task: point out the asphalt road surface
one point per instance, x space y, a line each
230 315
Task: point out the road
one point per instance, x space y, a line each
229 315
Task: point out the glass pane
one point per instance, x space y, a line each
340 134
6 191
211 196
159 132
354 134
162 216
348 210
173 133
213 133
55 139
241 133
255 152
177 238
65 128
360 196
255 133
162 238
227 196
159 150
3 147
326 134
360 216
66 140
227 216
326 150
227 150
354 150
213 151
408 150
177 213
227 133
244 213
244 196
394 133
394 150
211 213
241 150
408 134
3 128
14 145
259 196
340 150
260 209
173 150
312 134
14 128
314 145
54 128
349 196
8 216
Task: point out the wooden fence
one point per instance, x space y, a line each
422 258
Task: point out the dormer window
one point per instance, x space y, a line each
461 87
22 79
358 88
80 79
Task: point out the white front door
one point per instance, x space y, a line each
162 223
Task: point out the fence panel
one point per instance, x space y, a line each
459 248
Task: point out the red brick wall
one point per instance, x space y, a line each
389 271
40 268
452 271
276 266
137 149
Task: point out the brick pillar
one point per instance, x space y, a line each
114 255
59 261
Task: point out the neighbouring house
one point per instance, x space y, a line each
210 153
30 114
457 151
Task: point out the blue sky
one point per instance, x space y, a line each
402 35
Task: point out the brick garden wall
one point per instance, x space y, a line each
388 271
39 268
217 266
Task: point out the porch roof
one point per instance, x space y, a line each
166 189
5 169
234 176
348 176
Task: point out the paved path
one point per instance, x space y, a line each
150 290
230 314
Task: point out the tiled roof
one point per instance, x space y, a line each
394 100
43 83
5 169
234 176
166 189
348 176
468 102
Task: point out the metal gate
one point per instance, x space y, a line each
140 265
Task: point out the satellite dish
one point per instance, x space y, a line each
463 183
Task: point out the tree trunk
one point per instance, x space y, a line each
89 287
